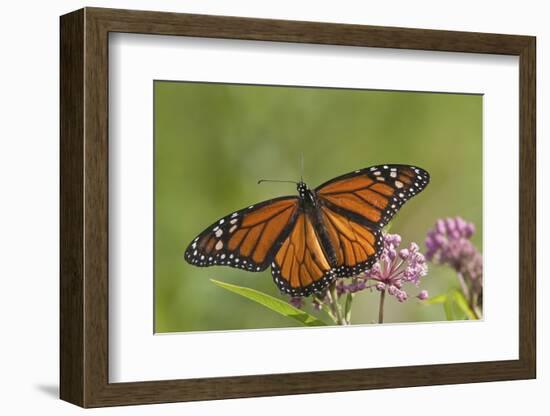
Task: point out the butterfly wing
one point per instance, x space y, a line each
373 195
355 245
354 208
300 266
246 239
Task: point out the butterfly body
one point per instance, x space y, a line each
310 239
309 204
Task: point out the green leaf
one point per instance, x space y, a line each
445 299
272 303
462 303
448 307
436 299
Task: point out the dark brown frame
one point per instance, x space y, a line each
84 208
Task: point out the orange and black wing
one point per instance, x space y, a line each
373 195
355 207
355 245
246 239
300 266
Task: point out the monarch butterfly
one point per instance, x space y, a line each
315 237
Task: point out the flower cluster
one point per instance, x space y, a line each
449 243
396 267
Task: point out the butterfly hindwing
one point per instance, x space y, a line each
245 239
301 266
355 246
305 263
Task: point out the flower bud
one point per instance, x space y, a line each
440 226
422 295
450 223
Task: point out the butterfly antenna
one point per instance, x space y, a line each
276 180
301 166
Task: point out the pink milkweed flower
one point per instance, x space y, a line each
395 267
449 243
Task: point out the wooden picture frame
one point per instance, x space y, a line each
84 207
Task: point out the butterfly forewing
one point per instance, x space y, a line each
246 239
373 195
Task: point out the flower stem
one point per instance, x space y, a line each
381 307
470 299
336 308
326 308
347 308
463 285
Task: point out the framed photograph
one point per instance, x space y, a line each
254 207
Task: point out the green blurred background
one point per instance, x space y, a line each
214 141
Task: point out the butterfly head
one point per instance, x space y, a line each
302 189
